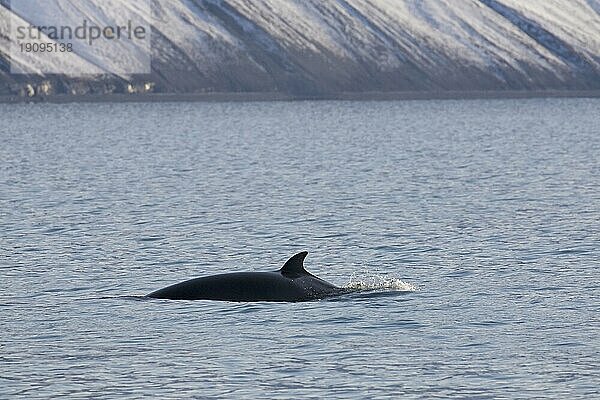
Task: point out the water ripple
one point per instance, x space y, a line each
466 232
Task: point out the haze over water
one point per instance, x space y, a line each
490 209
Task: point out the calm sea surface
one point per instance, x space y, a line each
477 224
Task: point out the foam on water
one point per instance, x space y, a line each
367 282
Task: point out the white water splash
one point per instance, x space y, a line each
379 282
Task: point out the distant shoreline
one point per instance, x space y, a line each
275 96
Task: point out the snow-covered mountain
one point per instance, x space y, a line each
334 46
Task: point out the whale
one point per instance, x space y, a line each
291 283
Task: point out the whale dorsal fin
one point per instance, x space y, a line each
295 265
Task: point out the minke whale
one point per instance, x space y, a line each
292 283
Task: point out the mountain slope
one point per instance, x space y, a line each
333 46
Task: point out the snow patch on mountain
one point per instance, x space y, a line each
355 45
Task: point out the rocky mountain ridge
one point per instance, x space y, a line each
315 47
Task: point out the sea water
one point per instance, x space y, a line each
473 226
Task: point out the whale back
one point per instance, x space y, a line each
290 283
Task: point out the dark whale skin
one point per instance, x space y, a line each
292 283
